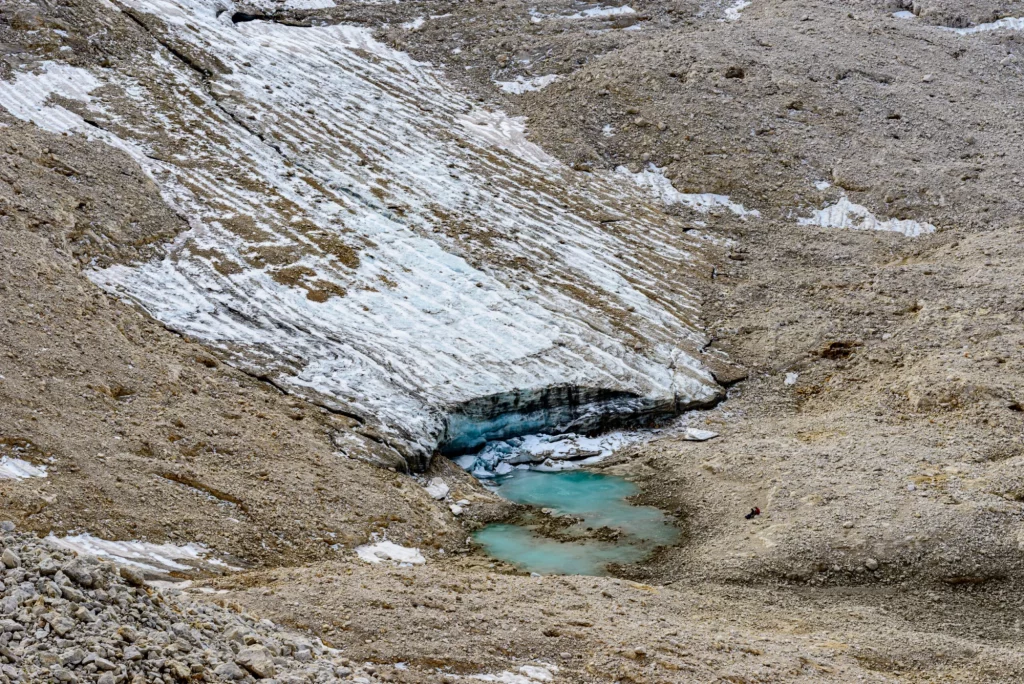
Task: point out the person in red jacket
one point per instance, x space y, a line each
754 512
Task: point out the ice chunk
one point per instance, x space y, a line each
437 488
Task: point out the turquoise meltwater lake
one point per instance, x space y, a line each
600 500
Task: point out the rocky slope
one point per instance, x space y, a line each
873 300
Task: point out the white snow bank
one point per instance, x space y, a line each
159 558
654 181
414 25
527 85
389 551
1007 24
732 13
17 469
846 214
904 14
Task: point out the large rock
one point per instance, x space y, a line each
79 572
257 661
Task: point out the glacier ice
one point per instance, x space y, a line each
367 237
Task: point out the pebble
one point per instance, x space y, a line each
871 564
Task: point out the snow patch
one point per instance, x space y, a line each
904 14
308 4
17 469
732 13
601 12
385 550
822 185
654 181
846 214
27 95
414 25
528 674
608 130
791 379
157 558
1007 24
527 85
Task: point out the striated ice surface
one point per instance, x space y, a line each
364 235
846 214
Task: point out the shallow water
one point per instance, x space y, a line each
600 500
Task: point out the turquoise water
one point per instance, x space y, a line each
600 500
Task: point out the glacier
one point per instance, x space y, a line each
363 235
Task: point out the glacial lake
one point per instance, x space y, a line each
600 500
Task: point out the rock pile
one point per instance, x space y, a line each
69 618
